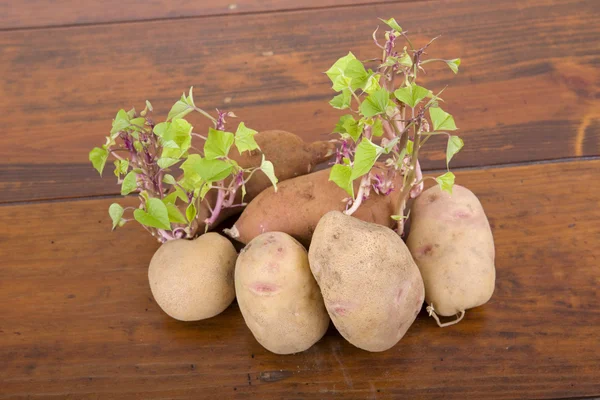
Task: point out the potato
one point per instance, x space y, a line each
371 286
277 294
299 204
291 157
193 279
451 241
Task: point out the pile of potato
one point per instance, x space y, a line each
359 274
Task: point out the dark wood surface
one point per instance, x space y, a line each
77 319
527 89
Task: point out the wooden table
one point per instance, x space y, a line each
77 319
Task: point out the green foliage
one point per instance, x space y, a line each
411 95
98 158
116 213
454 64
392 24
341 175
446 181
218 144
442 121
365 157
375 103
454 145
129 183
156 215
267 168
244 139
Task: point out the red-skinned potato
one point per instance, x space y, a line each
370 284
299 204
451 241
277 294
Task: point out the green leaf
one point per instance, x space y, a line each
454 145
179 110
353 128
406 60
204 169
116 213
366 154
341 82
190 99
341 175
446 181
129 183
339 67
244 139
155 216
409 146
181 194
204 189
149 106
171 198
217 144
339 127
166 162
396 217
453 64
121 167
120 122
267 168
371 84
375 103
98 158
175 216
161 128
190 212
140 122
442 121
392 24
357 72
342 100
176 138
377 128
169 179
243 191
411 95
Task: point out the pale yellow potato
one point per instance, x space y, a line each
277 294
193 279
451 241
371 286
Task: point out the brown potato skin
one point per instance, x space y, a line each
193 279
299 204
278 296
452 243
291 157
371 286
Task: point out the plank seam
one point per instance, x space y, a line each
457 169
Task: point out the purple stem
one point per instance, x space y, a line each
217 210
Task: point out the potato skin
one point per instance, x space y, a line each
371 286
451 241
277 294
299 204
193 279
291 157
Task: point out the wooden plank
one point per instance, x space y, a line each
78 318
527 90
45 13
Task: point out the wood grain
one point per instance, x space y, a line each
78 319
527 89
44 13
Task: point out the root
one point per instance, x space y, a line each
431 312
232 233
